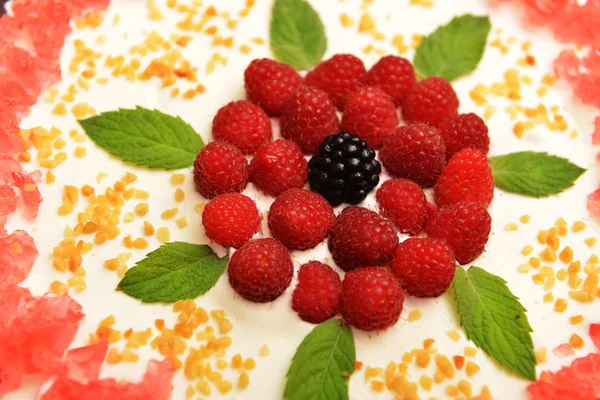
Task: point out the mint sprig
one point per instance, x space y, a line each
454 49
323 364
147 138
495 320
534 174
297 35
175 271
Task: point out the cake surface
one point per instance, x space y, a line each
127 23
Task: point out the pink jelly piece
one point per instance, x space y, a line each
13 96
83 364
30 195
582 74
563 350
580 381
8 200
596 133
17 255
595 335
155 385
17 63
593 203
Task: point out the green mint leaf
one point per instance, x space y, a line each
495 320
323 364
147 138
297 35
174 271
534 174
454 49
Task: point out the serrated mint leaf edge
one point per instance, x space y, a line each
450 72
502 177
343 330
104 131
526 368
130 283
292 50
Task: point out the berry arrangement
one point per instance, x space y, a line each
434 147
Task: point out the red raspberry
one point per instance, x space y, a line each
316 298
414 152
300 219
308 118
465 130
261 270
395 75
220 167
278 166
270 84
339 76
404 203
372 298
431 101
370 113
231 219
465 226
243 124
424 266
362 237
467 176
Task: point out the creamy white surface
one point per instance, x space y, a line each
276 324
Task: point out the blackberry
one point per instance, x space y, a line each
345 170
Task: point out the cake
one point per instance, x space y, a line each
139 262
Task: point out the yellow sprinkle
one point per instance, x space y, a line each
80 152
181 222
540 355
415 315
511 227
470 351
346 21
59 109
566 255
548 297
562 274
163 234
560 305
525 219
527 250
168 214
264 350
141 209
179 195
576 319
590 241
593 259
177 179
578 226
548 255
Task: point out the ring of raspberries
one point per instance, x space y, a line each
343 160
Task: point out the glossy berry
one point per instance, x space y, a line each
231 219
277 167
404 203
370 114
317 296
260 270
300 219
308 118
424 266
414 152
463 131
338 77
394 75
362 237
243 124
270 84
345 170
372 298
467 176
220 167
431 101
465 226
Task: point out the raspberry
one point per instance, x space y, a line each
243 124
465 130
467 176
220 167
370 114
344 170
362 237
231 219
431 101
404 203
414 152
278 166
308 118
316 298
372 298
424 266
395 75
300 219
465 226
261 270
270 84
338 77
